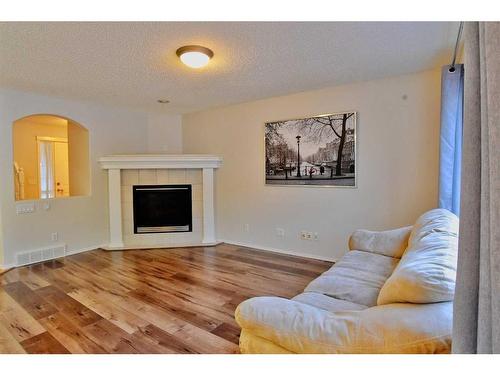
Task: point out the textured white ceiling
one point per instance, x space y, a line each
134 64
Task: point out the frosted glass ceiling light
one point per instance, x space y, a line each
195 56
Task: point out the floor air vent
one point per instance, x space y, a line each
40 255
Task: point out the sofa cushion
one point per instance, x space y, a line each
291 326
327 303
427 270
391 243
356 278
251 344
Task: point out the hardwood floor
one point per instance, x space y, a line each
142 301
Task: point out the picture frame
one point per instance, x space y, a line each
312 143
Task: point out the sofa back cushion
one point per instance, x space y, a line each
391 243
427 270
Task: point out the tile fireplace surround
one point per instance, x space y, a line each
125 171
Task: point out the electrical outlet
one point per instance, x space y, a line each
25 208
315 236
54 236
280 232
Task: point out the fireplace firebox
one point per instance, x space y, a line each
162 209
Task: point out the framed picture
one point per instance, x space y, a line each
317 151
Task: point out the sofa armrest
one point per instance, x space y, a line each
390 242
394 328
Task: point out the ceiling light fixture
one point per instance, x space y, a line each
195 56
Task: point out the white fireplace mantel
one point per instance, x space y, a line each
154 161
115 163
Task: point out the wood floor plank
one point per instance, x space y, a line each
31 279
168 343
301 262
239 275
36 306
192 316
53 278
8 343
271 265
115 340
110 337
69 307
43 343
126 320
16 319
205 342
228 332
70 335
11 276
142 301
152 314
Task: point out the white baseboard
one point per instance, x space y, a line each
84 250
280 251
6 266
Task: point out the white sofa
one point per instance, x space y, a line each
391 293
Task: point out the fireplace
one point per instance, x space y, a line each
155 170
162 209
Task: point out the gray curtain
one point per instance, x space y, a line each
476 318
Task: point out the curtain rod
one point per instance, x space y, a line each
452 68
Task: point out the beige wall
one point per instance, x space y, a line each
24 135
81 222
398 133
164 134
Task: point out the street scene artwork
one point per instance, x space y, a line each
318 150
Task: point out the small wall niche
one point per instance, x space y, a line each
50 158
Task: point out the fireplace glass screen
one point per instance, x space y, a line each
162 208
